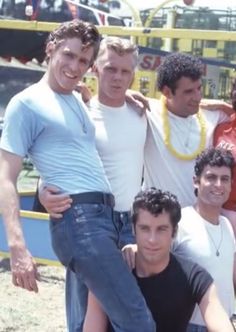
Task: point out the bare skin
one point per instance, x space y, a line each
24 270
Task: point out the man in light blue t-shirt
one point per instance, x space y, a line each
49 122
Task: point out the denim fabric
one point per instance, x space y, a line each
123 225
85 241
196 328
76 301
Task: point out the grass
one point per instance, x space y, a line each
23 311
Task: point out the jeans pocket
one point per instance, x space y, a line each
82 212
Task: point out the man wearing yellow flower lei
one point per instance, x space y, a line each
178 131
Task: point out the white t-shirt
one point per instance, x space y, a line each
162 169
120 140
199 240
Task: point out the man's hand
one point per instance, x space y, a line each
85 92
54 202
24 269
128 253
138 100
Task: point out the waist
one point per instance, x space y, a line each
93 197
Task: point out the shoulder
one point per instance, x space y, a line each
187 213
155 104
226 225
184 263
191 269
223 126
24 95
216 117
21 102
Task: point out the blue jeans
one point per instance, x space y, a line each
85 241
196 328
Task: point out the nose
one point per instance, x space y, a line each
75 66
117 75
152 237
218 182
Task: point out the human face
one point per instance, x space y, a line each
154 236
213 185
186 99
68 62
115 73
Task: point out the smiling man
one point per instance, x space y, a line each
204 235
178 129
49 121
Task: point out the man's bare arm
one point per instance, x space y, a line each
213 313
24 271
215 104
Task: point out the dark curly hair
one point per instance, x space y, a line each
174 67
156 201
84 31
214 157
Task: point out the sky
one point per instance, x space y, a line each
214 4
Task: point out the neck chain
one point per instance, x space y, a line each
217 247
167 140
76 108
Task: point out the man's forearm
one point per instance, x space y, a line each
11 212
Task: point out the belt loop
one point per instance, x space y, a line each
105 199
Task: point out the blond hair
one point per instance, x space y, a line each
120 46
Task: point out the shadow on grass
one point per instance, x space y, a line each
5 265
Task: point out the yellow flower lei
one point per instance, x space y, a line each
166 129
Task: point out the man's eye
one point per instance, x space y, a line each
69 55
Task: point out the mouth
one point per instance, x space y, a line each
195 105
217 194
152 250
116 87
70 76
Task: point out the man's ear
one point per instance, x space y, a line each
166 91
175 230
196 182
49 49
133 229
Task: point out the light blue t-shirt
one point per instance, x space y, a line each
56 132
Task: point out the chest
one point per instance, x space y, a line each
119 132
163 295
